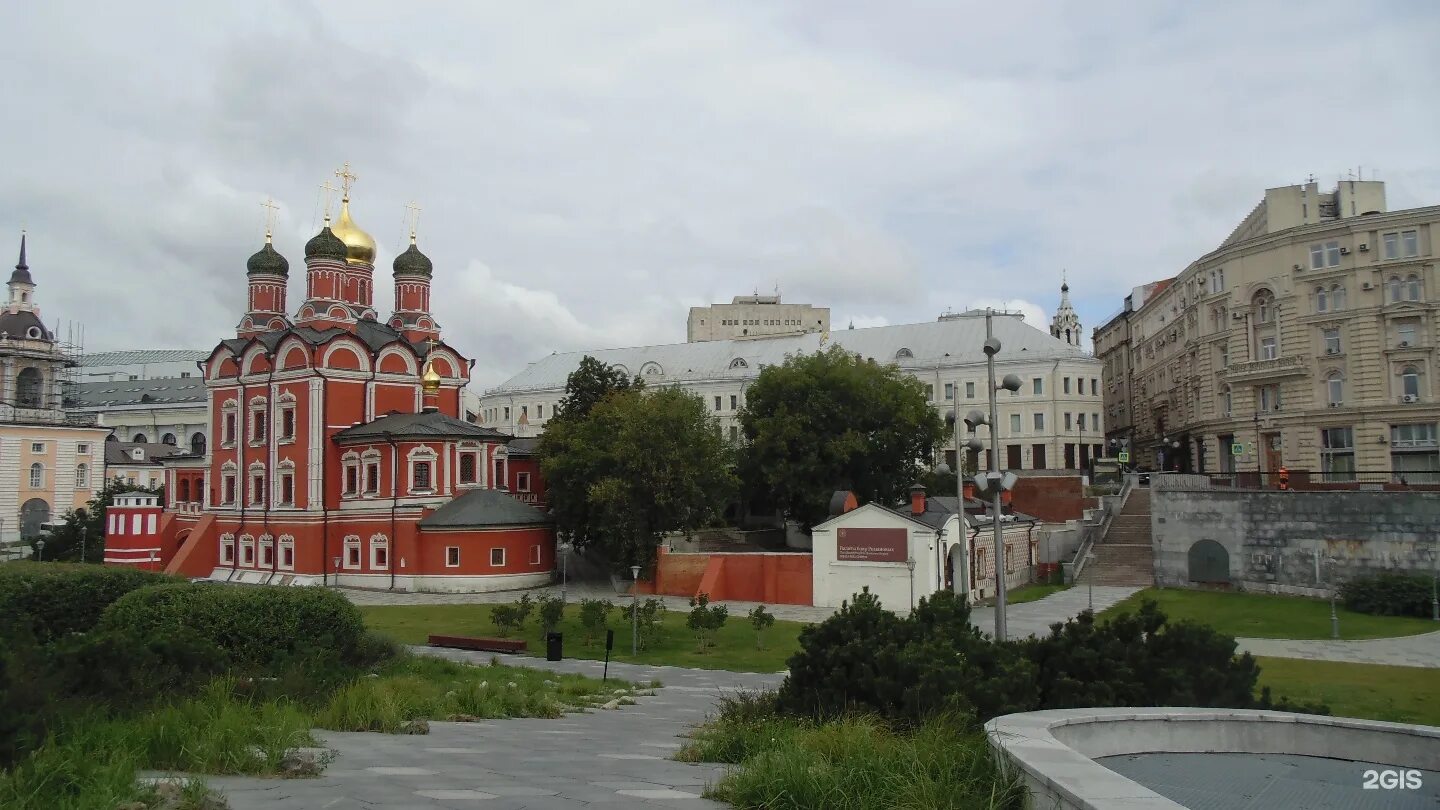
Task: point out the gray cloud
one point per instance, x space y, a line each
588 172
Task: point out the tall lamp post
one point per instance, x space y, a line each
1435 581
1334 618
1090 580
961 522
994 481
40 550
634 611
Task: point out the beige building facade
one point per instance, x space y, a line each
50 463
754 316
1308 340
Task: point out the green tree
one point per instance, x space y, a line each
640 464
65 542
831 420
589 384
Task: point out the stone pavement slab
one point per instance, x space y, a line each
613 758
1035 618
1402 651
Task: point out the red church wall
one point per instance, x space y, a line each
783 579
526 464
475 546
398 397
1052 499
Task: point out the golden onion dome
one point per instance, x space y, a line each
359 245
430 380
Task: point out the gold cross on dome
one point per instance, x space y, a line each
412 217
347 179
270 209
430 345
327 193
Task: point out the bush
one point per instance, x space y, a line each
507 619
1389 594
552 612
594 618
760 619
706 620
53 600
648 617
257 627
122 669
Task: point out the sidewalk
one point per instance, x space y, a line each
1403 651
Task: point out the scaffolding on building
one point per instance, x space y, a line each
60 357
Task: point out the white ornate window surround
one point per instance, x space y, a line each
247 550
350 475
228 488
370 472
259 423
267 551
285 434
229 422
227 549
379 552
287 553
421 461
285 483
351 560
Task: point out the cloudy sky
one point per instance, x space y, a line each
588 171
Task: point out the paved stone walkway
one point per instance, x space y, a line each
1035 618
609 759
1404 651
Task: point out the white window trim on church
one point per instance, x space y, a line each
350 560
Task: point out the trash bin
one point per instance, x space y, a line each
553 646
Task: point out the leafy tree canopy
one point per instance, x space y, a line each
589 384
640 464
831 420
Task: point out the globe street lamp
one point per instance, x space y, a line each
1090 582
993 480
40 550
1435 582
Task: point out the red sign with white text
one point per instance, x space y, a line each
871 545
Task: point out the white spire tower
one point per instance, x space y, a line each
1066 324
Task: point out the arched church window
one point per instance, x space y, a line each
197 443
739 362
904 354
467 468
27 388
168 438
138 438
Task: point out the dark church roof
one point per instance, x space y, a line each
373 334
417 427
484 508
17 325
22 270
523 447
158 390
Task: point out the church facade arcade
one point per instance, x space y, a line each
339 454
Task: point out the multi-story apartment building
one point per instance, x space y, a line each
1053 422
1307 340
754 316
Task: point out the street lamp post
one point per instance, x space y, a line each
40 550
1334 617
634 610
1010 383
564 569
1435 582
1090 581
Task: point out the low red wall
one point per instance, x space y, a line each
783 579
1052 499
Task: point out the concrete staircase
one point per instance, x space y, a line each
1124 556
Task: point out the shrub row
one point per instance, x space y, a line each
1389 594
52 600
933 662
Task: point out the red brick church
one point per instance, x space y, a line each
338 452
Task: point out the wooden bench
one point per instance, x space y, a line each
502 645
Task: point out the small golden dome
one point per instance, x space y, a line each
430 380
359 245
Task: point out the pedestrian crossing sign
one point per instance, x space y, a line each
1124 458
1237 449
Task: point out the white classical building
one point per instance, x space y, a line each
1052 422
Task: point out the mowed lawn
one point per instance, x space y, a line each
1393 694
1254 615
675 645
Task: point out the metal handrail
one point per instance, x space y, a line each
1092 530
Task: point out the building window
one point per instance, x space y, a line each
287 552
1015 424
734 433
1335 389
467 468
27 387
522 482
37 447
372 478
1217 280
1037 457
929 393
507 413
1227 403
352 551
949 391
227 550
380 552
420 476
1094 387
257 489
227 489
734 402
1405 333
497 557
1392 245
82 449
534 555
287 489
1337 453
227 433
267 552
1080 385
452 556
1065 385
247 550
969 390
1037 386
37 475
1337 298
1409 387
287 424
1039 422
1402 244
1267 348
1412 287
184 496
717 403
1322 299
1069 423
1268 397
1264 308
1332 340
539 411
1415 454
82 476
257 426
352 478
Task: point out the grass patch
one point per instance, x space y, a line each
1256 615
675 644
421 688
90 761
852 763
1370 691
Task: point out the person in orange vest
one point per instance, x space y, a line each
1284 478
